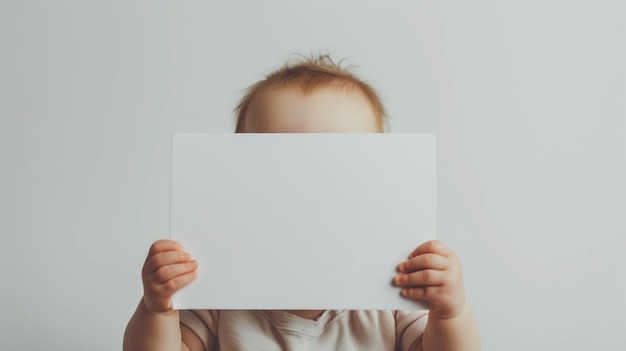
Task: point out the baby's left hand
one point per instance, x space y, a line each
433 274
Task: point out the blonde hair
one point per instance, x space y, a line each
309 74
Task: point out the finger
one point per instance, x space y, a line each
165 258
163 245
168 272
177 283
420 293
433 246
427 277
158 297
424 261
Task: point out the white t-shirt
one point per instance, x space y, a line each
237 330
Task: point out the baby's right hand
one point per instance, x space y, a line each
167 269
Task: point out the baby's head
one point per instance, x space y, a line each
311 96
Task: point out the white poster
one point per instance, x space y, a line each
300 221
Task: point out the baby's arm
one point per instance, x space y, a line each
433 274
155 325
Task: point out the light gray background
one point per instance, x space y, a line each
528 99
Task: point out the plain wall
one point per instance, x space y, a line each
528 100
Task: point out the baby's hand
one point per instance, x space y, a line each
433 274
167 269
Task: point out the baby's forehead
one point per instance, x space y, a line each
292 109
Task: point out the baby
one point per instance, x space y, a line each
312 96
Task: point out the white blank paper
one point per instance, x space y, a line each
300 221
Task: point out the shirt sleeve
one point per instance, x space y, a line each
202 322
409 326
